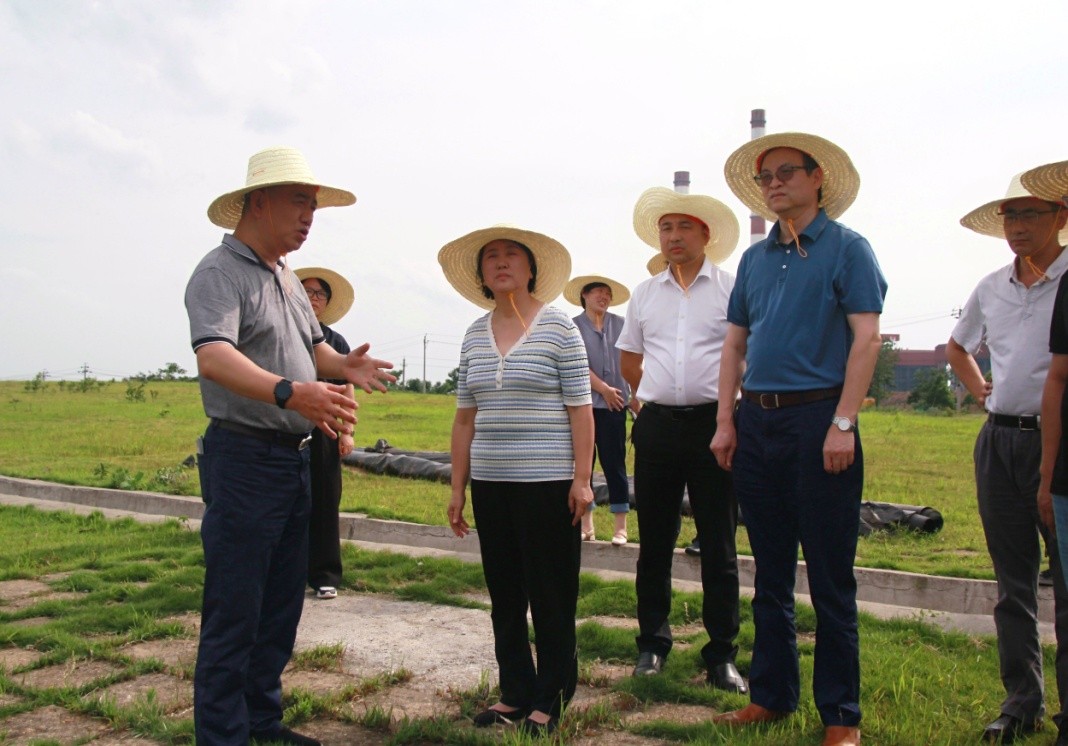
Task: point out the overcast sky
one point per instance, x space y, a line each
123 120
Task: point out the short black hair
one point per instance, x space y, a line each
591 286
530 257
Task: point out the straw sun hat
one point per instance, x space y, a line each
272 167
841 182
459 260
985 219
573 289
657 202
1049 182
341 293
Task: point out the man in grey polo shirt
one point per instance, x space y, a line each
1010 310
259 351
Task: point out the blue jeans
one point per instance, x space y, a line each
610 439
255 536
788 499
1060 514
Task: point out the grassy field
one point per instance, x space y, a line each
137 437
117 582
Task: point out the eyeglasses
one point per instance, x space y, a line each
317 294
1026 217
783 173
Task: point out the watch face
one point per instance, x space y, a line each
282 391
843 424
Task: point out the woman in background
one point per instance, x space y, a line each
331 298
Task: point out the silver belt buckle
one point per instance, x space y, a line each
305 442
774 399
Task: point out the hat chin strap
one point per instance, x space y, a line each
797 239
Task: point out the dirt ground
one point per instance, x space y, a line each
446 649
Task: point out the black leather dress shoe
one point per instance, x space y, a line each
1006 728
649 664
726 677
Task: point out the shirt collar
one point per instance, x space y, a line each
1053 271
812 231
668 276
243 250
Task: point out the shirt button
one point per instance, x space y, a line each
784 266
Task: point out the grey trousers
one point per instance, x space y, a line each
1006 477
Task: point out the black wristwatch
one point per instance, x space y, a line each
282 391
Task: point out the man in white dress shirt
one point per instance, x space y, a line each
670 348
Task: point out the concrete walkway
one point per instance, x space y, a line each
953 603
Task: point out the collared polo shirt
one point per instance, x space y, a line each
602 353
234 298
680 334
795 307
1014 321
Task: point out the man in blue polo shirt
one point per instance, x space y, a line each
259 351
804 329
1010 311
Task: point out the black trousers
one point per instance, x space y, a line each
530 556
671 452
324 544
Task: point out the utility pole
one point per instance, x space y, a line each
85 371
424 363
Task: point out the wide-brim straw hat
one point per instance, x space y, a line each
985 219
459 260
272 167
341 292
841 182
573 289
1049 182
657 202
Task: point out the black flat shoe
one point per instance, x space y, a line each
726 677
1006 728
649 664
489 717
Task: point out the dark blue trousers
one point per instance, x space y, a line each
788 499
530 557
610 440
671 453
255 535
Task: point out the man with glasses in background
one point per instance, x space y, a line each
802 341
1010 311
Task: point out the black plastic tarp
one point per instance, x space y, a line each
382 458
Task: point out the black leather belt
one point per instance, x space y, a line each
1021 422
299 441
692 412
791 398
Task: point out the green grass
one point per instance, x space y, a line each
105 438
920 685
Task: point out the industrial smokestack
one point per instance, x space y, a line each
756 222
682 182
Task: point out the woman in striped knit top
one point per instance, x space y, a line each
523 435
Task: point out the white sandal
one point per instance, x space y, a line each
620 538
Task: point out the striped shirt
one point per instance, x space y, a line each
522 428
